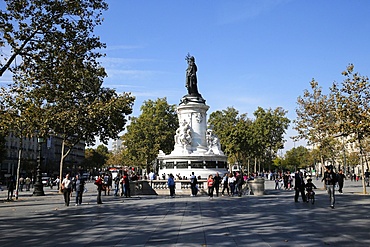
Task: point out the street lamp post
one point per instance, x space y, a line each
38 186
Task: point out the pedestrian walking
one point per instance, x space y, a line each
51 182
225 184
299 186
116 184
330 181
210 185
79 189
21 183
57 182
340 177
66 189
11 187
367 177
193 184
240 183
99 183
106 185
27 181
231 181
171 185
126 185
217 181
151 177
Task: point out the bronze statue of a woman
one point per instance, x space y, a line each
191 76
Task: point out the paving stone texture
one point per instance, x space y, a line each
273 219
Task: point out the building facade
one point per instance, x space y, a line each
50 156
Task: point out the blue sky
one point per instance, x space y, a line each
249 53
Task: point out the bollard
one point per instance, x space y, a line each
257 186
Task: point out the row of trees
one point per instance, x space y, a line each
245 139
57 79
329 122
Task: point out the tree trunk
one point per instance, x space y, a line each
362 166
18 169
61 168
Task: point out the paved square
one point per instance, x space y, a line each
270 220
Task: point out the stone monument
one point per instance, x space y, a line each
197 149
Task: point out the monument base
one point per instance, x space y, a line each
183 166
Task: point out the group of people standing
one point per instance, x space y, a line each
231 182
11 185
121 185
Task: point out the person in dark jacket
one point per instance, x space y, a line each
330 180
340 177
239 183
299 186
79 186
171 185
225 184
217 181
11 187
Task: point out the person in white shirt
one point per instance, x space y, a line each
66 189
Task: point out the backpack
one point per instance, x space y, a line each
193 181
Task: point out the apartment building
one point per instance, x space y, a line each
50 153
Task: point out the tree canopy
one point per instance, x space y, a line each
152 131
57 84
243 138
344 113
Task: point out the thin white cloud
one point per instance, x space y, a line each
132 74
111 63
236 11
122 47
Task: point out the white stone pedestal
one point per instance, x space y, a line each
196 148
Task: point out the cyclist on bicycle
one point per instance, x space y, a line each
309 187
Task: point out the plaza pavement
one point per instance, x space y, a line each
270 220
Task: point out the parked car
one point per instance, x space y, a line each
85 176
45 179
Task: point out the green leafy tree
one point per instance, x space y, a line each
95 158
243 139
352 101
343 113
2 147
315 116
228 126
235 132
269 129
59 78
19 117
115 159
353 160
152 131
298 157
103 154
34 27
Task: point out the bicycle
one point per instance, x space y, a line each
246 191
310 196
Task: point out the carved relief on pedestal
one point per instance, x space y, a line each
213 143
183 134
198 117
